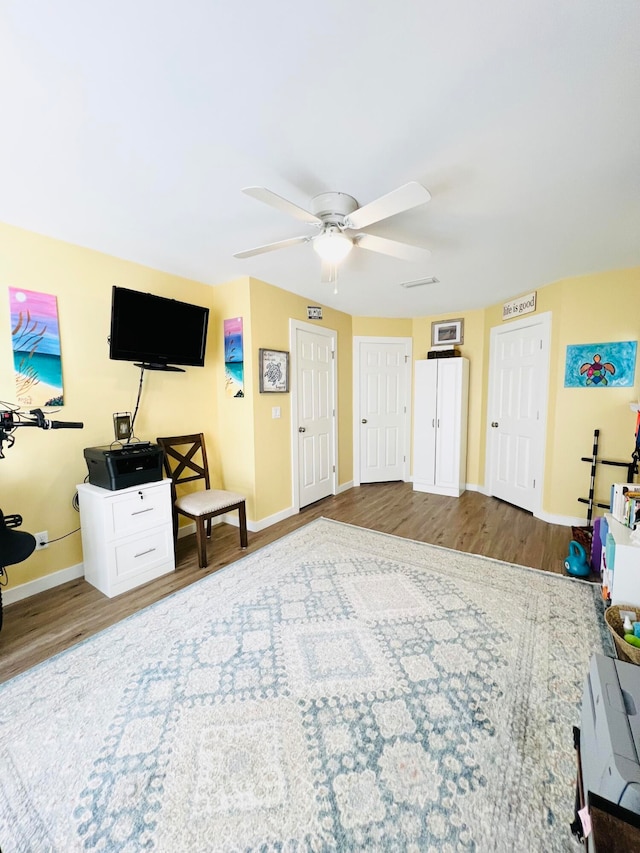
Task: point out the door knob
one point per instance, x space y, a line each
302 429
364 420
494 424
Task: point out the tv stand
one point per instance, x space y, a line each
153 366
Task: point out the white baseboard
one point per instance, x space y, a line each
263 523
549 517
190 527
344 487
564 520
26 590
232 519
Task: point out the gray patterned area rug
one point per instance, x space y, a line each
338 690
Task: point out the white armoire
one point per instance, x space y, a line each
441 393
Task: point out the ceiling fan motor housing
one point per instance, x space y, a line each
332 208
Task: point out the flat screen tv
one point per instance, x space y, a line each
156 332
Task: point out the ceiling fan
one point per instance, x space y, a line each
340 221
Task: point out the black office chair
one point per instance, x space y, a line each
15 546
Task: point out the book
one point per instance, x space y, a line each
619 492
632 510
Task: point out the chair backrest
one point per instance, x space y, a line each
185 458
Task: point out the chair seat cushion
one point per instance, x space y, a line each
211 500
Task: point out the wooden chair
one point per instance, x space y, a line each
185 461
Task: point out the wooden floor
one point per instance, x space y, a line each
38 627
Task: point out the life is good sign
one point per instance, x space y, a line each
522 305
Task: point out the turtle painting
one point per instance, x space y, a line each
597 370
604 365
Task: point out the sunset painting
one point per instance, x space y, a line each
35 337
233 358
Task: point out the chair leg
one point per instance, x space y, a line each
201 541
175 528
242 514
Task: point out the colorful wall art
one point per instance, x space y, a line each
233 358
604 365
35 338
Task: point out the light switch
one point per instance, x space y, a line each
275 412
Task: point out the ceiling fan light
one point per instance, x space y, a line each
332 245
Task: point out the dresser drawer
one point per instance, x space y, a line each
139 555
137 511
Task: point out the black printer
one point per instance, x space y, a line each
128 465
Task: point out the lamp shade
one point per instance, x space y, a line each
15 545
332 245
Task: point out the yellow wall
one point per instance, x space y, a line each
382 327
233 447
40 472
585 309
249 450
589 309
271 309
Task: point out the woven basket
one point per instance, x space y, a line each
625 650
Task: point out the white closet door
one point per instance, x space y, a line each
448 422
425 413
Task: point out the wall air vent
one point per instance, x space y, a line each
420 281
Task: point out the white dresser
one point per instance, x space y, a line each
127 535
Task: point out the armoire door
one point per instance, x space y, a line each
425 413
448 413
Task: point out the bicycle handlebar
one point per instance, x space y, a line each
8 422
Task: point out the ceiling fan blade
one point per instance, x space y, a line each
391 247
271 247
265 195
404 198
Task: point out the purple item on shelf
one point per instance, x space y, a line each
596 546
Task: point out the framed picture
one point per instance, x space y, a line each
274 371
122 425
603 365
447 332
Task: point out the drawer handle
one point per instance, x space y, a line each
140 511
142 553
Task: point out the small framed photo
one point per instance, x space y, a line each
122 425
274 371
447 332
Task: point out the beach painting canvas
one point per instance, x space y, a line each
604 365
35 337
233 358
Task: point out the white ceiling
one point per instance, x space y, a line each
131 127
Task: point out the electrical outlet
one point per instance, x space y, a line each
42 540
